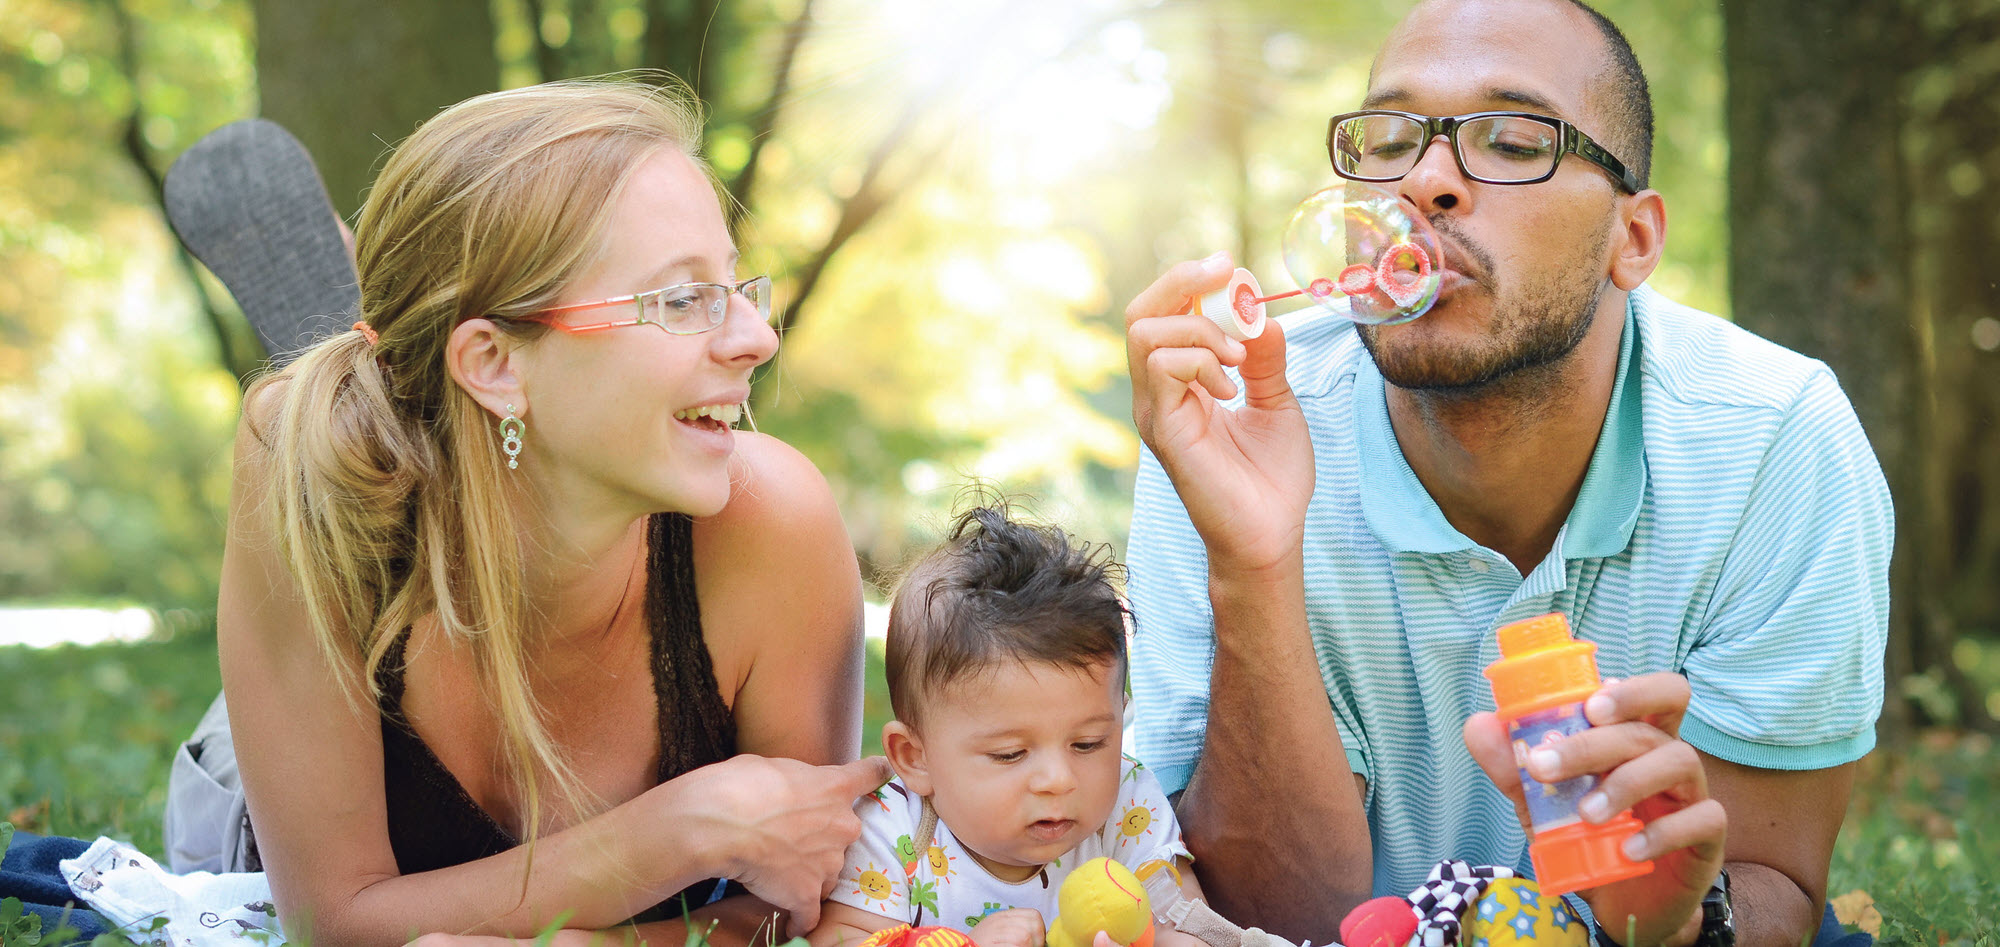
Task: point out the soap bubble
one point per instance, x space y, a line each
1358 252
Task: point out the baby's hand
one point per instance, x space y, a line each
1014 927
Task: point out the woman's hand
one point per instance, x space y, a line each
779 827
1014 927
1244 475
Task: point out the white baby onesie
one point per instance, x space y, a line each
889 873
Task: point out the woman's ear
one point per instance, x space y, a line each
905 750
486 363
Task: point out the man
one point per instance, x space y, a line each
1552 436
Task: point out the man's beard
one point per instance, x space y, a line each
1538 326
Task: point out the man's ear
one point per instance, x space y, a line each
1640 240
486 363
905 750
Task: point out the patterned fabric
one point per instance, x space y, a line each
1733 526
1452 887
1515 913
1445 896
893 874
903 935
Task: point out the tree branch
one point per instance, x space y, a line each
870 198
765 121
546 60
238 362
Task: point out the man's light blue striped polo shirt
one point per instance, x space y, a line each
1733 526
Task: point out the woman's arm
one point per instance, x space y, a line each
311 762
781 605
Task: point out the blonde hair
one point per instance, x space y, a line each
387 491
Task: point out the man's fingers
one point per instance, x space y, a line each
1660 698
862 776
1180 332
1168 333
1672 769
1170 371
1596 750
1263 371
1702 827
1170 293
1486 738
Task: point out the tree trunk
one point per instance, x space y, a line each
1819 256
352 78
1954 148
687 38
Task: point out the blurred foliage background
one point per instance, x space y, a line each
957 198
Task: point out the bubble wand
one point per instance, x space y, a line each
1387 263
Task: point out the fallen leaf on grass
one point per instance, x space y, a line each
1857 909
29 818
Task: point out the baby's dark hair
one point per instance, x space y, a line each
998 589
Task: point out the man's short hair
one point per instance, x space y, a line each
1625 100
995 590
1622 96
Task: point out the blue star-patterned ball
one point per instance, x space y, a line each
1513 913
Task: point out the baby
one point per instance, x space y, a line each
1006 668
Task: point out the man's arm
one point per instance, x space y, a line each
1273 814
1804 598
1782 826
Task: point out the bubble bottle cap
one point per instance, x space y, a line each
1541 666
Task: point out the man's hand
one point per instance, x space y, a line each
1634 741
1014 927
1245 475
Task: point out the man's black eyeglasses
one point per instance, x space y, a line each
1492 147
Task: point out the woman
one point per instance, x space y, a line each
514 627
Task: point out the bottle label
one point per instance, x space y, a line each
1550 805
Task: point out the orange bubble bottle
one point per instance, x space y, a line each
1539 686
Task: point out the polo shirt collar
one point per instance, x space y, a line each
1402 515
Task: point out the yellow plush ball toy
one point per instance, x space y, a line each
1515 913
1102 895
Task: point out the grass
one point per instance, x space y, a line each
86 736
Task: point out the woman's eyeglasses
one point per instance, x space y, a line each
682 309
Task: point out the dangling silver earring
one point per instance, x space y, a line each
511 429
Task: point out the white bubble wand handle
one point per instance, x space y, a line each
1238 308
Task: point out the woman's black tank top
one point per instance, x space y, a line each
434 823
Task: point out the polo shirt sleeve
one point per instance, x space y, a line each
1786 669
1173 641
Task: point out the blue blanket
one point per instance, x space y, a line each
29 872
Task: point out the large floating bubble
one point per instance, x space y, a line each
1357 250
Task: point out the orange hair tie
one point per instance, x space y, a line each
372 336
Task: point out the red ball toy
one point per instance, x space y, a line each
1382 922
